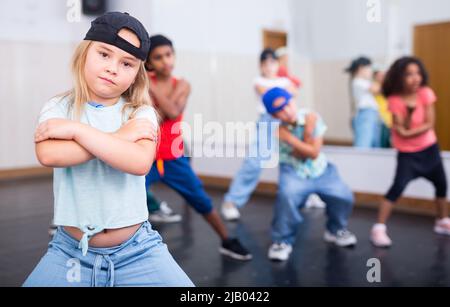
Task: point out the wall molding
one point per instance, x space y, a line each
23 173
363 200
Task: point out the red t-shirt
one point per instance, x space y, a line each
171 144
425 97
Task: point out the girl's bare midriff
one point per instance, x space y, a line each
106 238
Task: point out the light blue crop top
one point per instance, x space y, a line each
94 196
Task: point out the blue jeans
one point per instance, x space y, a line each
293 192
367 129
246 180
143 260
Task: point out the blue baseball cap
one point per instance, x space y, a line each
276 99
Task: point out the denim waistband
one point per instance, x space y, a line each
67 238
99 255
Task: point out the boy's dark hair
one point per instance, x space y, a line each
357 63
155 42
394 82
267 53
158 41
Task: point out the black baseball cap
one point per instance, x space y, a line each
106 29
266 54
357 63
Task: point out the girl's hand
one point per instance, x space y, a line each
410 133
402 131
137 129
261 90
55 129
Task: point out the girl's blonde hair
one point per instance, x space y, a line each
135 97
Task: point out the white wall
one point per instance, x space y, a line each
46 21
330 30
232 26
330 34
217 42
335 32
416 12
36 45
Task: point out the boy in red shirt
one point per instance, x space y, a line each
172 167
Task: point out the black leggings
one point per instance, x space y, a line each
427 164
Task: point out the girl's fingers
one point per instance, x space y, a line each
42 129
37 134
42 126
151 136
40 137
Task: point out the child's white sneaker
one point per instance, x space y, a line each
279 251
164 215
379 237
230 212
342 238
442 226
314 201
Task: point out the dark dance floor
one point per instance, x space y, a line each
418 258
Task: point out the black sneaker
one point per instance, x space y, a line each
234 249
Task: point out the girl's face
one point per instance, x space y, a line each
413 78
365 72
269 68
109 71
379 76
288 114
162 60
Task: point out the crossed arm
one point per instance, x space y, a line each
402 124
173 105
301 150
65 143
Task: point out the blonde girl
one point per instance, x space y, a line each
100 138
